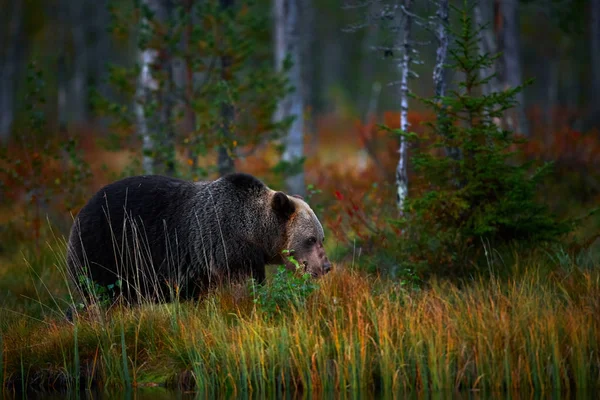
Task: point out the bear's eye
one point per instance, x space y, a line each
310 241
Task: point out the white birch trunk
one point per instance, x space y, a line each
279 44
402 167
158 147
439 77
145 85
439 71
288 42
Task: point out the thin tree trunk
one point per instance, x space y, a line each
190 114
367 66
158 147
62 15
439 70
402 168
551 93
9 68
288 42
595 62
77 97
224 160
307 43
145 85
512 62
280 50
487 45
165 163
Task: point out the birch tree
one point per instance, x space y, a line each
487 44
288 44
440 27
402 167
154 130
158 145
441 34
146 83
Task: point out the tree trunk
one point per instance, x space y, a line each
158 147
280 50
188 82
11 52
402 168
595 62
99 51
77 97
487 45
512 63
224 160
165 162
145 85
439 70
307 43
552 73
441 33
368 60
288 42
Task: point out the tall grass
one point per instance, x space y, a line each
354 335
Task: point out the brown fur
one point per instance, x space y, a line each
150 232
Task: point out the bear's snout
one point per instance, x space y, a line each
327 266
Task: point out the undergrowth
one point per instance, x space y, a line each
537 330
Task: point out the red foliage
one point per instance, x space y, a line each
351 162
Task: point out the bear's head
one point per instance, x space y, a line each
303 234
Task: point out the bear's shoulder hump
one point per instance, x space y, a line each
245 182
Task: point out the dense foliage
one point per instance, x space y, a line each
473 192
213 82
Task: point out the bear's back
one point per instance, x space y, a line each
150 230
127 225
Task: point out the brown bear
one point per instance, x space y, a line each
156 236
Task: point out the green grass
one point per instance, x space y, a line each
537 331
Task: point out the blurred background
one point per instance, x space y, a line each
557 42
95 89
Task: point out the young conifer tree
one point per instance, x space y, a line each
485 195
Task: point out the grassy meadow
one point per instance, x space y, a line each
534 328
535 332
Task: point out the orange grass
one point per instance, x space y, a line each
357 334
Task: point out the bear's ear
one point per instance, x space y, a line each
282 205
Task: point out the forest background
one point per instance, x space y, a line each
308 95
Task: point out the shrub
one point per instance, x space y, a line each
287 289
473 191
